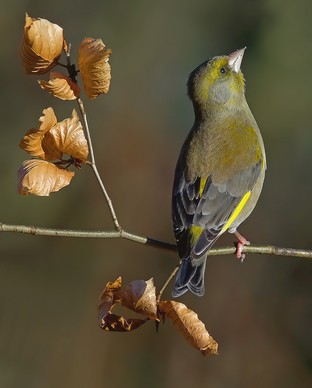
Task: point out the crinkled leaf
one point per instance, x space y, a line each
113 322
140 296
41 178
68 137
94 67
61 86
188 323
52 139
41 46
111 295
34 141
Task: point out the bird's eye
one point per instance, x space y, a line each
222 70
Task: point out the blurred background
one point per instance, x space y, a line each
259 312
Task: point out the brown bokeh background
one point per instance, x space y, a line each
259 312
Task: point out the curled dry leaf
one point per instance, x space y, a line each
52 139
112 294
109 296
66 47
115 322
188 323
35 142
61 86
94 67
68 137
140 296
41 178
41 46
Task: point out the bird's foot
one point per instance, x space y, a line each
240 246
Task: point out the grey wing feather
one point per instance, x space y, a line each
211 210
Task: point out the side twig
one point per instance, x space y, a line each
73 73
171 276
94 167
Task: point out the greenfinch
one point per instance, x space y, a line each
220 170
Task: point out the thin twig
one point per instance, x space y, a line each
72 72
94 167
86 126
172 275
264 250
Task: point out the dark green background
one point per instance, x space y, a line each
259 312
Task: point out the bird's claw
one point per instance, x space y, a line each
240 246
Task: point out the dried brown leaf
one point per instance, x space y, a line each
109 296
66 47
68 137
108 321
113 322
41 46
41 178
94 67
188 323
52 139
34 141
140 296
61 86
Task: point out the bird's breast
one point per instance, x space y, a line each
221 149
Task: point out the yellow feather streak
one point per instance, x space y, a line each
195 232
236 212
202 185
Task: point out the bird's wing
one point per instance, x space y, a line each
203 209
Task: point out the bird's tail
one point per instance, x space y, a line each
190 277
191 273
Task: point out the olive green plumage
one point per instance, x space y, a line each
220 170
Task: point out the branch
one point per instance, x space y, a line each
37 231
264 250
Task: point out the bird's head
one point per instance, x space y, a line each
218 81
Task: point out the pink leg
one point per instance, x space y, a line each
240 245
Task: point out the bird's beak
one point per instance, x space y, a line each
235 59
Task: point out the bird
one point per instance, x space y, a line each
220 170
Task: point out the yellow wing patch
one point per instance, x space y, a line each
236 212
195 232
202 186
